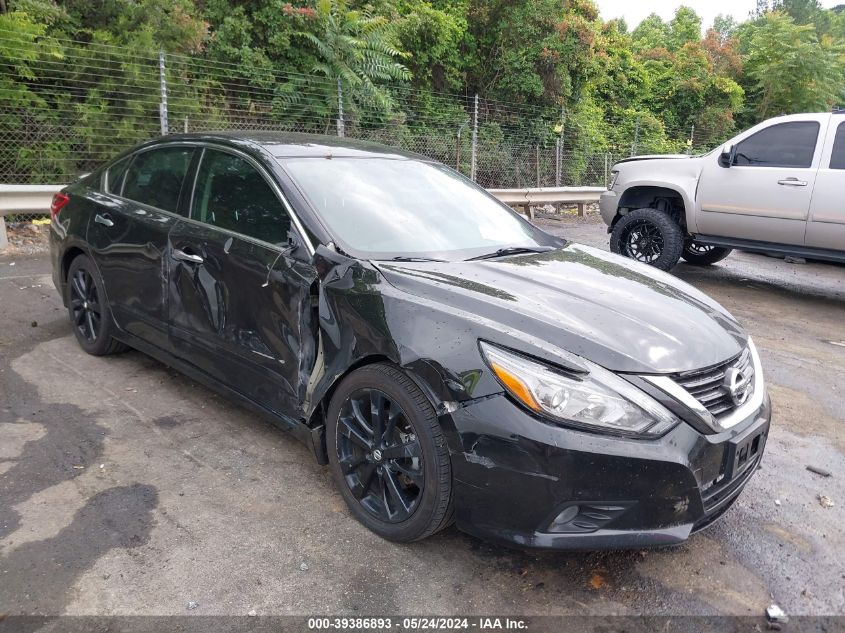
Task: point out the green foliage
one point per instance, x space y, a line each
75 71
353 51
651 33
789 69
20 105
432 37
531 51
685 28
724 26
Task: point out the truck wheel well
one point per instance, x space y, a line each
661 198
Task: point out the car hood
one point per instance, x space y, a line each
620 314
654 157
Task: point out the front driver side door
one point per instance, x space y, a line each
240 296
765 194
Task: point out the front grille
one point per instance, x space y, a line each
708 385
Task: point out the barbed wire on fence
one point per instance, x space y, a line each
77 104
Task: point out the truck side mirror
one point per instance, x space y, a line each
728 156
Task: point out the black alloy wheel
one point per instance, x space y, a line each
649 236
388 454
86 312
380 455
643 242
704 254
88 309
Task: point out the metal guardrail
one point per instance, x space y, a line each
36 199
529 198
24 200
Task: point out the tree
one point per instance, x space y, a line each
724 55
354 54
684 28
651 33
530 51
433 38
789 69
724 26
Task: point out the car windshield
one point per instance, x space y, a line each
386 208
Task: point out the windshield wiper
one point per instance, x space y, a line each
513 250
403 258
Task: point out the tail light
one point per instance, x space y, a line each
59 202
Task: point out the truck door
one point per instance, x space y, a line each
764 194
826 226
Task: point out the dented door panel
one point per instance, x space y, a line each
241 314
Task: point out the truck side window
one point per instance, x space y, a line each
782 145
837 160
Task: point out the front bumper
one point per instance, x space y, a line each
608 206
523 480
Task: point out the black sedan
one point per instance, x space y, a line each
449 360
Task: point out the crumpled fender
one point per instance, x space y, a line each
362 318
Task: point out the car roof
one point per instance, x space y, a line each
295 145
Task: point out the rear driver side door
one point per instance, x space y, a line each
128 236
826 227
240 305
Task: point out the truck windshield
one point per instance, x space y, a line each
386 208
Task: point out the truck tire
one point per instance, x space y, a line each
704 255
648 236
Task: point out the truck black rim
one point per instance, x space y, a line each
643 241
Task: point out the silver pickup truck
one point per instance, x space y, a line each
778 188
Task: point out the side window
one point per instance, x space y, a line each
231 194
114 175
837 160
155 177
781 145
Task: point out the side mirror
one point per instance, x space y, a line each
728 156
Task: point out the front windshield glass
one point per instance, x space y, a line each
383 208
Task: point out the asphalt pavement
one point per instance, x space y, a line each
127 489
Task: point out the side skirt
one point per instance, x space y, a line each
771 248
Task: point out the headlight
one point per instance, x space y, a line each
614 176
598 400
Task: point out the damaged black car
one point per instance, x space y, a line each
447 359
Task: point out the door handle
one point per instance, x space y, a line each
179 254
105 220
792 182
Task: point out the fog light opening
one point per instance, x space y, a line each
587 516
563 518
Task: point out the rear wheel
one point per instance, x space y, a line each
88 309
388 454
704 254
649 236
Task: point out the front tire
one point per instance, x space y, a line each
649 236
703 254
388 455
88 309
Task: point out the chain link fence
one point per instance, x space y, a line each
66 107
